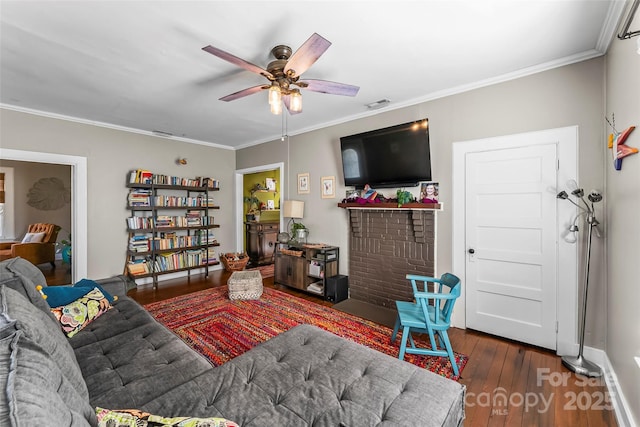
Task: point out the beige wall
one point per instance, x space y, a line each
623 223
110 155
26 174
571 95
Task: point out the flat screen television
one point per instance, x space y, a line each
396 156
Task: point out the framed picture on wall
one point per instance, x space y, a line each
270 184
303 183
328 184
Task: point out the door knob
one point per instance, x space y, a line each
472 251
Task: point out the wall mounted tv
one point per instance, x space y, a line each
396 156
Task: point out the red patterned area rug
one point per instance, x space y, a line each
222 329
265 270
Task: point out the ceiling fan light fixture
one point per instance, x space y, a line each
276 108
296 101
275 94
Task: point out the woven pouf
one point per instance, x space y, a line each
245 285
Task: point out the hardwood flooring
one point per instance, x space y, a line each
508 383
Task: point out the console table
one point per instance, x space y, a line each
306 266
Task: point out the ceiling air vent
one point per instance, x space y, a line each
377 104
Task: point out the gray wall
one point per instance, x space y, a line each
110 155
566 96
623 227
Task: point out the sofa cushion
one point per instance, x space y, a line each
44 331
62 295
37 392
128 359
33 237
76 315
135 418
22 276
307 376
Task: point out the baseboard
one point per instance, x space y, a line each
177 275
621 407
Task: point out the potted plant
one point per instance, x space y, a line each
64 249
254 207
299 232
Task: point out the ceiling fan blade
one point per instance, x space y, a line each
325 86
286 100
244 92
236 61
307 54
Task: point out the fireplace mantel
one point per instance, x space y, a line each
392 206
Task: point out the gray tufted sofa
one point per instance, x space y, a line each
125 359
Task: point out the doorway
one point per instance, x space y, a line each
485 294
239 204
78 200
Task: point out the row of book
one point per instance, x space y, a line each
141 243
169 201
164 221
172 261
143 176
139 197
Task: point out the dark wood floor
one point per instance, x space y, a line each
508 383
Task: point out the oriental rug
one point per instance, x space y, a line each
221 329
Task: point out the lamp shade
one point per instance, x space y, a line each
293 209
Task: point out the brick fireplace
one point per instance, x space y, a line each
384 246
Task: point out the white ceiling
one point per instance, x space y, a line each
139 64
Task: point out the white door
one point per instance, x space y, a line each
510 216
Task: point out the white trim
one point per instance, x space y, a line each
112 126
78 199
8 231
620 404
566 140
239 217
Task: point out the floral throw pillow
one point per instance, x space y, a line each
136 418
76 315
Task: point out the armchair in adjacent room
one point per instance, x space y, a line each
430 314
38 246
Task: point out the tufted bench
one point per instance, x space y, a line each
125 359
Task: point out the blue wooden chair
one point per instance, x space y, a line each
430 314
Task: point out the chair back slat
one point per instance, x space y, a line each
441 301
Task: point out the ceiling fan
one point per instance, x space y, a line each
284 75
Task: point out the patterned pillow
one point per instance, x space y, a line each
74 316
136 418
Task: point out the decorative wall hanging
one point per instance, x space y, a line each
48 194
616 142
328 187
303 183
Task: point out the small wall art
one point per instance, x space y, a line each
328 184
303 183
270 183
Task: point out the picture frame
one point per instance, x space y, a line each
328 185
270 183
429 192
303 183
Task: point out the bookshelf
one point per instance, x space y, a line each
171 226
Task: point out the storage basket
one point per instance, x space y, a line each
291 252
234 262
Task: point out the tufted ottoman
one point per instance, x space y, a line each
245 285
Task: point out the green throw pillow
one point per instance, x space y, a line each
136 418
76 315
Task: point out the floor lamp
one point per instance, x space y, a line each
579 364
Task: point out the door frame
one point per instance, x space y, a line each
79 194
566 141
239 197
